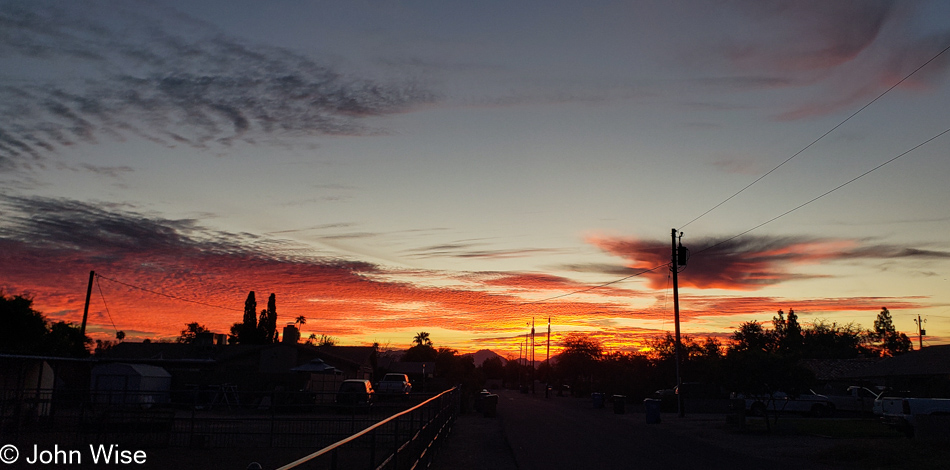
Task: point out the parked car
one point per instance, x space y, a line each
902 413
890 402
780 402
396 384
856 400
356 393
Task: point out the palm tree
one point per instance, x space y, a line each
422 339
301 320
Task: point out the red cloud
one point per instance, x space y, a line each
158 275
745 263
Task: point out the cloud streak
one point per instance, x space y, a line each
751 262
173 81
49 245
848 52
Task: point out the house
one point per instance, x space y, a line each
139 384
224 369
923 372
27 381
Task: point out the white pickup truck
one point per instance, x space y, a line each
900 411
855 400
394 384
780 402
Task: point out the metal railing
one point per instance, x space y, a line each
406 440
187 418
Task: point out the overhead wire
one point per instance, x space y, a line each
862 175
598 286
588 289
106 305
862 108
168 295
567 294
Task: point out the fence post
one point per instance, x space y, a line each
396 443
273 417
372 450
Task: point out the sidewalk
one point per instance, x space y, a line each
475 443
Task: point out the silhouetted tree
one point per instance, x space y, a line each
263 336
420 353
885 338
825 340
234 334
578 360
191 332
66 339
247 333
422 339
492 368
752 337
23 328
271 336
322 340
26 331
267 325
103 347
326 341
787 335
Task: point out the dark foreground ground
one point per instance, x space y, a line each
531 432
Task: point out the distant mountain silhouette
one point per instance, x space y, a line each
484 354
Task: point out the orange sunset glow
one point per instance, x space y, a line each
386 170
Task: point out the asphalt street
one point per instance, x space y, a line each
531 432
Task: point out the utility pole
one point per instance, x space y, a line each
674 267
532 355
85 310
547 360
520 372
920 331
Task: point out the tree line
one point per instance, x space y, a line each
757 358
27 331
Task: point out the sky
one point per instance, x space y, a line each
466 168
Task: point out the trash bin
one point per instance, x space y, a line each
620 404
652 408
480 400
597 399
490 405
736 415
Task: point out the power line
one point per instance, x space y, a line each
106 305
168 295
773 219
581 291
902 80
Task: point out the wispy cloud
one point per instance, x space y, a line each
809 35
848 52
751 262
145 72
49 245
473 249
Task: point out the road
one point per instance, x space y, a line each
567 433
